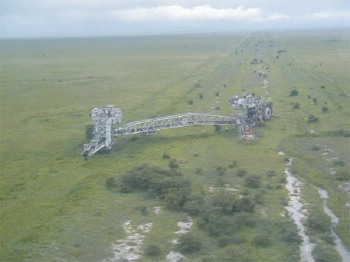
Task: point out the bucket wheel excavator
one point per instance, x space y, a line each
256 109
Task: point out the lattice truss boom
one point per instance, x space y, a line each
174 121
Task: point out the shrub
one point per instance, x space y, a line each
166 156
294 92
270 172
189 243
244 204
111 183
315 147
217 94
175 199
190 102
288 232
194 205
312 119
89 132
134 138
241 172
262 240
219 225
143 210
338 162
199 170
325 254
341 132
224 203
343 174
233 164
244 219
296 106
152 251
237 254
252 181
200 95
328 238
154 180
220 170
173 163
324 109
217 128
223 241
197 85
318 221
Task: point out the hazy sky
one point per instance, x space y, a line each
31 18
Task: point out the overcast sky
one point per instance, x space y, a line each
55 18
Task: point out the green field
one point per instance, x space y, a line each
56 207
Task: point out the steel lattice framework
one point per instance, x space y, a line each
149 126
105 118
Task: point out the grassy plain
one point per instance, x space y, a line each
54 205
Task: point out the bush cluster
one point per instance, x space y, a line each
168 185
219 214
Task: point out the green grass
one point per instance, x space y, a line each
54 205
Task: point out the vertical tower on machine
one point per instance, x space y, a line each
104 119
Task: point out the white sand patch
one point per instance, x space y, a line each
157 210
174 257
130 248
